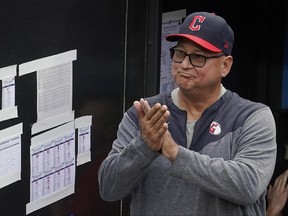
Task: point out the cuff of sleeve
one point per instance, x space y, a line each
178 165
143 148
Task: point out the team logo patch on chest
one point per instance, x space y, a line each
215 128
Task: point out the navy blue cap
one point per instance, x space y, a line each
208 30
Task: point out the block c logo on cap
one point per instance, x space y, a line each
197 19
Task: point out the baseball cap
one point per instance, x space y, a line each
208 30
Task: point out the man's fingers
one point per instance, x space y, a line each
281 180
139 110
145 106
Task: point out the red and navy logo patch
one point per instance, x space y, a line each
215 128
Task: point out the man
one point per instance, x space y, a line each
200 149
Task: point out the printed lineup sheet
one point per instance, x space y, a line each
83 126
8 108
171 22
54 89
52 163
10 155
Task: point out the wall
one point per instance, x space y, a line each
33 29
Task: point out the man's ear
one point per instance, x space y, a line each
226 65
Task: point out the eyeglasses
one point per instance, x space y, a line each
196 60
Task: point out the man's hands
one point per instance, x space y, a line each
154 128
152 123
277 195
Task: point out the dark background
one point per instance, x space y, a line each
118 61
33 29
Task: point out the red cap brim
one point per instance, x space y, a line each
200 41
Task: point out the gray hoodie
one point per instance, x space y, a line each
225 171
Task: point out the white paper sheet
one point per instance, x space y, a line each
52 163
54 89
8 108
10 154
171 22
83 124
8 92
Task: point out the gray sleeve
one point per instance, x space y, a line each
126 163
244 177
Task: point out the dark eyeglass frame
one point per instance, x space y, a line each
173 49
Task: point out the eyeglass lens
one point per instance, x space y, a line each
196 60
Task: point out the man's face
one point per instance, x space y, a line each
191 77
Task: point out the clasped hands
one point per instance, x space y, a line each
154 128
